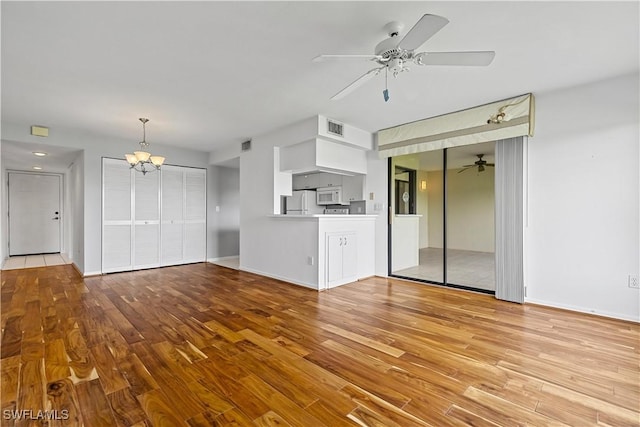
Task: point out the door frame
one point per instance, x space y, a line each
62 214
445 283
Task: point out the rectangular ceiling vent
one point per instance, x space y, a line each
246 146
335 128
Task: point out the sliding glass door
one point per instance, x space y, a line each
453 218
470 217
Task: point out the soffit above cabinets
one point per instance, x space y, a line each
319 155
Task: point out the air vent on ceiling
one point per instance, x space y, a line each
335 128
246 146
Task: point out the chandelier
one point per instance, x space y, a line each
142 160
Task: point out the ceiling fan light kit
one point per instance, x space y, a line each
480 164
395 54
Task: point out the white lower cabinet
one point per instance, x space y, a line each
341 258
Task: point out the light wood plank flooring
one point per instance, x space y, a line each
204 345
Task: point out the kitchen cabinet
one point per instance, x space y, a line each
352 188
305 182
341 258
312 181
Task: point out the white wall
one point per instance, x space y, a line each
582 210
223 234
377 183
583 199
4 226
470 213
95 147
75 186
262 247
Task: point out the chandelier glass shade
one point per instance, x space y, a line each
142 160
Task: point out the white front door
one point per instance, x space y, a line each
34 213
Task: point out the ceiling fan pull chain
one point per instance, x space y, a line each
385 92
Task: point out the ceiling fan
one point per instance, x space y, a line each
480 164
395 53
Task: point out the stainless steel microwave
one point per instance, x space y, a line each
329 196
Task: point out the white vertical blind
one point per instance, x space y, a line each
509 219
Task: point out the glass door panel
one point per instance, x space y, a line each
417 216
470 253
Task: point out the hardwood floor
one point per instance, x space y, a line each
204 345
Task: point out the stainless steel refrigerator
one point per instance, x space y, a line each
303 202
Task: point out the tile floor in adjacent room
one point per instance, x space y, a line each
467 268
30 261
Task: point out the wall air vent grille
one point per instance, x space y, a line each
246 146
335 128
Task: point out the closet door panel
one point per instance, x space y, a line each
196 194
172 243
172 193
116 248
147 197
116 178
146 245
195 248
172 215
117 216
195 230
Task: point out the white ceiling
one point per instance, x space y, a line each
209 74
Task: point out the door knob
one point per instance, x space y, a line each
55 218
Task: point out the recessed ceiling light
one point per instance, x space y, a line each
38 168
39 153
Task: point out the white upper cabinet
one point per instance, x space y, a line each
352 188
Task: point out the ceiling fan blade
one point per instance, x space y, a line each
424 29
469 166
478 58
357 83
322 58
462 170
493 165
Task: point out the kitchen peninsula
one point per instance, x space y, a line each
325 251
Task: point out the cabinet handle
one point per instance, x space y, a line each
341 241
345 241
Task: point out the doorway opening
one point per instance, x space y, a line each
453 218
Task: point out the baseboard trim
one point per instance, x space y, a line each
222 258
617 316
91 273
284 279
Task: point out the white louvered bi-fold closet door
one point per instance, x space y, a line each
117 230
172 215
195 227
146 213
